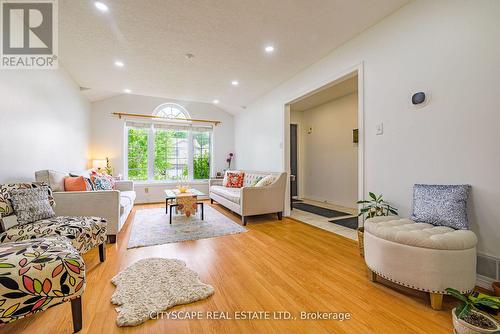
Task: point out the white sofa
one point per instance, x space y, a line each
421 256
250 201
112 205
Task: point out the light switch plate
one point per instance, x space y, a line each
379 129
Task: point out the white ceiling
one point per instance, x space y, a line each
227 38
338 90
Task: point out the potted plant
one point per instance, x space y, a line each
374 207
468 319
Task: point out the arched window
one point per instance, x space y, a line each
171 111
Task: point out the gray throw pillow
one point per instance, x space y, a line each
441 205
31 205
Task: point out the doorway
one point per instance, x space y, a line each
294 175
325 154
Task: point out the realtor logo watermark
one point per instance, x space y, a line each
29 34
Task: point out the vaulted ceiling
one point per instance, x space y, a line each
225 37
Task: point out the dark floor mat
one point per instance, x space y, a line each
328 213
351 222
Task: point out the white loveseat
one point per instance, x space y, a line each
421 256
250 200
112 205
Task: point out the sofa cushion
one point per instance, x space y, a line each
231 194
31 205
84 233
6 208
54 179
37 274
407 232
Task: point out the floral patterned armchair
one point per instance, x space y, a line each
40 273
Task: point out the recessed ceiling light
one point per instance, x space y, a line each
101 6
235 83
128 91
269 49
215 101
119 63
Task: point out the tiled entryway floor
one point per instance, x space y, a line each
323 222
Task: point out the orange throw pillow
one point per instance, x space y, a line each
74 184
233 179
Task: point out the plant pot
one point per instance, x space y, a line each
361 241
496 288
462 327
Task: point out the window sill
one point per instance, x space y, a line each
167 183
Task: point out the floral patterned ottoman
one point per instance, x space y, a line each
37 274
84 233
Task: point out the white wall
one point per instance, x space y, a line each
327 156
44 124
108 134
449 49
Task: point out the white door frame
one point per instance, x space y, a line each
334 79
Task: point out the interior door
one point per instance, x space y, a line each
293 160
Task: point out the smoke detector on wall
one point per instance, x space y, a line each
419 99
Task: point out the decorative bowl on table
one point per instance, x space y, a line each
182 189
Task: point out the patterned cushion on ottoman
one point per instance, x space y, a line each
84 233
37 274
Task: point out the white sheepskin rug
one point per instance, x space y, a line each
153 285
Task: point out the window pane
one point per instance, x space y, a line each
171 154
201 155
137 154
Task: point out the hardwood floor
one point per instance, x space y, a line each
275 266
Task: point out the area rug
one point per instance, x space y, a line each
351 222
151 227
328 213
153 285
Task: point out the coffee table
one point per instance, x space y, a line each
171 197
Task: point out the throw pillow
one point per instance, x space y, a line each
6 208
265 181
256 180
31 205
102 182
75 183
441 205
233 179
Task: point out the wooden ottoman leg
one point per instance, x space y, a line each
372 275
76 312
102 252
436 301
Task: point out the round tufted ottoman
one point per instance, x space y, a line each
421 256
37 274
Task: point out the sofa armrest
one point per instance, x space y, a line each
104 204
124 185
215 182
260 200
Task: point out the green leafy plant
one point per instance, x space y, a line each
465 309
376 206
